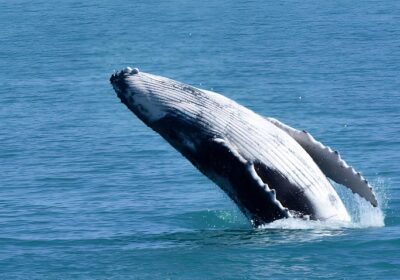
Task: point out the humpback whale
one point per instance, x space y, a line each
269 169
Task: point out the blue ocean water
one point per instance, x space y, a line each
89 192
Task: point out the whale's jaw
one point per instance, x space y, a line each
258 165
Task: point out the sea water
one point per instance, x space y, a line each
87 191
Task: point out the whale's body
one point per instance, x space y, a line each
270 170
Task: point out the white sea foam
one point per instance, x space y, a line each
363 215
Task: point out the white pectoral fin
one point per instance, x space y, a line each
330 163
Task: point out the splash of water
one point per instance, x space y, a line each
361 212
363 215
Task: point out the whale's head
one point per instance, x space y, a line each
142 93
169 107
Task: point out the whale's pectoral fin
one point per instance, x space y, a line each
330 162
254 196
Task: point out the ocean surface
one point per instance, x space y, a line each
87 191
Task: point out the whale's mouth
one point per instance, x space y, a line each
140 94
118 81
